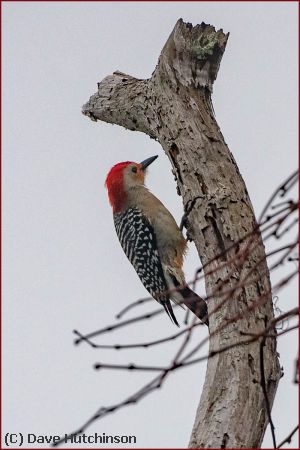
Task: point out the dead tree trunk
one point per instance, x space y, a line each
174 107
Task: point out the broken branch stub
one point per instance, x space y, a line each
174 106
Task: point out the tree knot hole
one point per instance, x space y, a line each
174 151
225 440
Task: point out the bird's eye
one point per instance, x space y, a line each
134 169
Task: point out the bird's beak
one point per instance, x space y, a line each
147 162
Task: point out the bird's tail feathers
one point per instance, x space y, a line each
195 303
172 277
181 294
169 310
185 296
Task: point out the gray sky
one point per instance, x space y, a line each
63 265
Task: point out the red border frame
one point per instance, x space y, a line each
105 1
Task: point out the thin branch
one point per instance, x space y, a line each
131 366
281 190
184 362
138 345
275 335
117 325
288 439
132 305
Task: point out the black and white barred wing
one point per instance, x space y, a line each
138 241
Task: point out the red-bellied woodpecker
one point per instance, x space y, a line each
150 238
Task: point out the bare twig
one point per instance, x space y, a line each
288 439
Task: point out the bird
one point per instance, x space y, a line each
151 238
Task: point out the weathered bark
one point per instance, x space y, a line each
174 107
